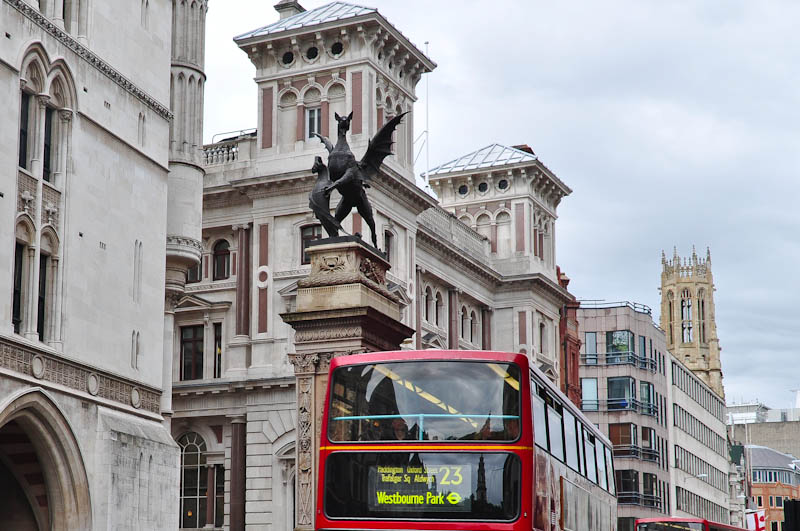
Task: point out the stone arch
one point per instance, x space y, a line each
288 96
483 225
439 309
335 89
49 241
466 219
312 93
61 86
26 229
58 452
34 63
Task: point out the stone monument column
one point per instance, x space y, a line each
343 307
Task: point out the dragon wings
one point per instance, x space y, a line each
379 148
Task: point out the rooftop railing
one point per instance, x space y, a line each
620 358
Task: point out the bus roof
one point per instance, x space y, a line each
476 355
687 520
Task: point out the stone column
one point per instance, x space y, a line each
171 299
454 319
420 296
238 471
343 307
486 328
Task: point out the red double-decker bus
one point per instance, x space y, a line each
435 440
682 524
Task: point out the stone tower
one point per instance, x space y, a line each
185 188
687 316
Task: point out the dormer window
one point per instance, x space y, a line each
313 121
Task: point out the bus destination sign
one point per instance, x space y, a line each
410 487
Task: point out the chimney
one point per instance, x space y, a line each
524 147
288 8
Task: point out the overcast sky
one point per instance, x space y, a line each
674 122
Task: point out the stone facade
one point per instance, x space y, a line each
688 317
455 284
82 237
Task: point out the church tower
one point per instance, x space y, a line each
687 316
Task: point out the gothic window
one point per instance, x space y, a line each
701 314
307 235
686 316
194 481
48 142
17 308
464 323
24 123
191 352
41 309
222 260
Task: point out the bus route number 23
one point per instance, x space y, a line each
451 475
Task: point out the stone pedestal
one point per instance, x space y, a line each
343 307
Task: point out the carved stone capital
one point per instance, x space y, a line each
65 115
171 299
42 100
304 363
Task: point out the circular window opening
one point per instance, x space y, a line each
337 48
312 53
288 58
503 184
463 189
483 187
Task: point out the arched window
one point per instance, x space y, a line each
23 272
473 327
222 260
388 244
503 235
428 304
686 316
439 309
464 323
701 314
194 481
542 338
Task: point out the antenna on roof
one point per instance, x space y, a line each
427 123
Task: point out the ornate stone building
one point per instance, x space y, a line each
475 268
687 316
85 233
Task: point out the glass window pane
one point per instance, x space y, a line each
610 465
591 348
589 394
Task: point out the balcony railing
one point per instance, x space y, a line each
637 452
620 404
620 358
635 498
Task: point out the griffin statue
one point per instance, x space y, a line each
349 176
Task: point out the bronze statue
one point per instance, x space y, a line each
349 176
319 200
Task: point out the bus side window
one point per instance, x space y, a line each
588 451
555 428
539 420
611 475
571 440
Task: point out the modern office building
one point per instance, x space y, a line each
625 388
775 478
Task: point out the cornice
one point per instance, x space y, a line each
426 237
89 56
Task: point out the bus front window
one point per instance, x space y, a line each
670 526
425 400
